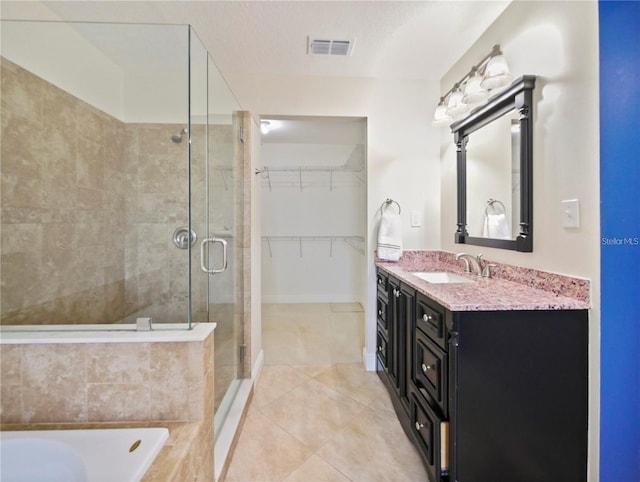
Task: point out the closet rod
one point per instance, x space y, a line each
352 241
309 169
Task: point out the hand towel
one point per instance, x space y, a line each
496 227
390 237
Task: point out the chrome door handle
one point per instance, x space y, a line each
203 266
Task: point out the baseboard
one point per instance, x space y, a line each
369 360
328 298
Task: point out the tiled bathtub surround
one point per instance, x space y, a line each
111 381
510 288
119 384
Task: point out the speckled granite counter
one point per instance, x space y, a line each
510 288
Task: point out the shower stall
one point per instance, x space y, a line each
122 186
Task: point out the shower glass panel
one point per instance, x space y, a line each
226 223
108 133
92 184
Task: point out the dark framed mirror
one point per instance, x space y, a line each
495 170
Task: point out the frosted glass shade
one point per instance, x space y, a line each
440 117
473 91
497 73
455 105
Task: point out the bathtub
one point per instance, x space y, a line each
101 455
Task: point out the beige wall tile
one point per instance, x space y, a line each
118 363
168 378
54 383
118 401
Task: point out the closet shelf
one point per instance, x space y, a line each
356 242
295 174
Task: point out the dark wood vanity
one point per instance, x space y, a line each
485 395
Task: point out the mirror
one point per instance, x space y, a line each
495 170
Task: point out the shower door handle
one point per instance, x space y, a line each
203 265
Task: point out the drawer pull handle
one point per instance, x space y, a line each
380 349
419 426
397 293
426 317
426 368
379 312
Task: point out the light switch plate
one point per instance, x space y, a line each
416 219
570 213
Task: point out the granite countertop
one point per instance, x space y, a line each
540 291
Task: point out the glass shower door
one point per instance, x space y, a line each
217 216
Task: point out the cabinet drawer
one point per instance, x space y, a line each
382 281
381 311
382 348
430 319
431 434
430 369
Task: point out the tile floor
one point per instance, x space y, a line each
316 414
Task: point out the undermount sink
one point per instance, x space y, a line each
441 277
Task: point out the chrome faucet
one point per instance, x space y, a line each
470 261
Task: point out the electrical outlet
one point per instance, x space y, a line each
570 213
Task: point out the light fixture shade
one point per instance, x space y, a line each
455 104
440 116
473 91
496 73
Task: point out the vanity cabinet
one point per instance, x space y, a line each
395 312
488 396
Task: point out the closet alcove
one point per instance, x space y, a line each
313 198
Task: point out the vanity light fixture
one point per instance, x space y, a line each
490 73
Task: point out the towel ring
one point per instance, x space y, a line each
490 203
386 203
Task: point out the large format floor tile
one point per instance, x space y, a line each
316 414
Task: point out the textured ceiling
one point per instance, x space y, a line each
394 39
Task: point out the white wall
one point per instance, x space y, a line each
61 56
402 148
558 42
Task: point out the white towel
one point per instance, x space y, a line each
496 227
390 237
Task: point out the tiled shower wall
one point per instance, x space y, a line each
89 205
63 205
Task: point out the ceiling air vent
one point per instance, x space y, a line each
322 46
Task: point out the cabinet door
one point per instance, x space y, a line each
404 346
519 401
393 361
